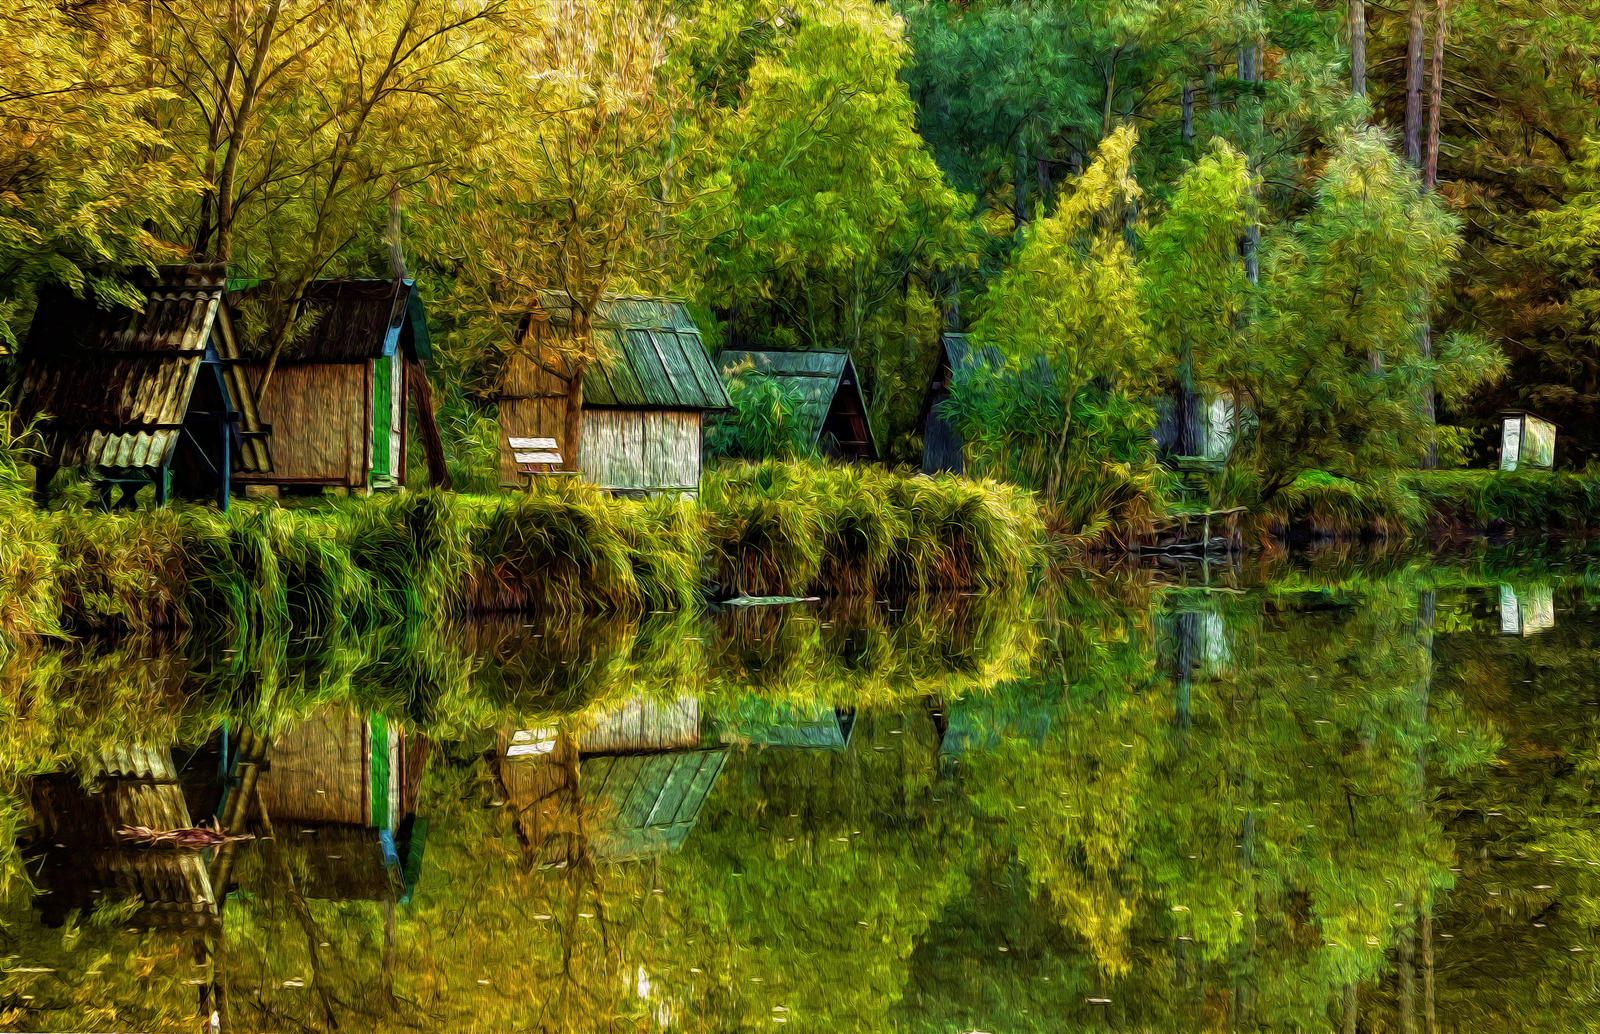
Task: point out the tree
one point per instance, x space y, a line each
815 216
1067 317
88 188
303 120
1353 276
1196 291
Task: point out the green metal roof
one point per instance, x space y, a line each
817 374
650 356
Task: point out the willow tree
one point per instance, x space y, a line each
1354 275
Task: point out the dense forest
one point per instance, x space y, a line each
1359 230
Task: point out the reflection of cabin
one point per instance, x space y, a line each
85 863
644 396
833 410
337 402
627 783
1526 441
143 398
758 722
341 790
942 447
1527 611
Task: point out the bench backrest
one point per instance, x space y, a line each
528 452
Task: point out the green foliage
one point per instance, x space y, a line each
1334 369
764 423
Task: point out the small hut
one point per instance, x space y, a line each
148 397
942 447
1526 441
643 398
341 790
337 403
85 862
834 410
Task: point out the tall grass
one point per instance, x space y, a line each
408 561
797 529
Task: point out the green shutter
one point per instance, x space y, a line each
378 753
382 404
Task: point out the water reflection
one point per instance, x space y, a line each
1320 797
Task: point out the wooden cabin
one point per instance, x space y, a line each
834 411
644 396
621 784
149 397
341 789
347 389
942 447
84 863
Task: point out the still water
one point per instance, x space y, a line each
1326 796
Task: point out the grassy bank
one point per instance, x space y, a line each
1418 503
262 570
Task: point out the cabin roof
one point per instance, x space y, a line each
650 355
818 374
356 320
112 384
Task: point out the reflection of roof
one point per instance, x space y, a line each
650 355
85 860
356 320
1013 712
115 384
817 375
815 726
647 804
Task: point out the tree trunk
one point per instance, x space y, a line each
1019 186
239 131
1188 111
397 255
1358 47
1415 45
1430 171
1352 1008
573 440
1430 1019
1044 186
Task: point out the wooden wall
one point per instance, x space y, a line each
533 405
642 450
634 450
319 414
320 771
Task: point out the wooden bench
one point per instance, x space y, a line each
537 457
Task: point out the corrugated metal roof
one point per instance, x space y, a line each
649 355
355 319
114 385
817 375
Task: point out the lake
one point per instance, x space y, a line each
1335 792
